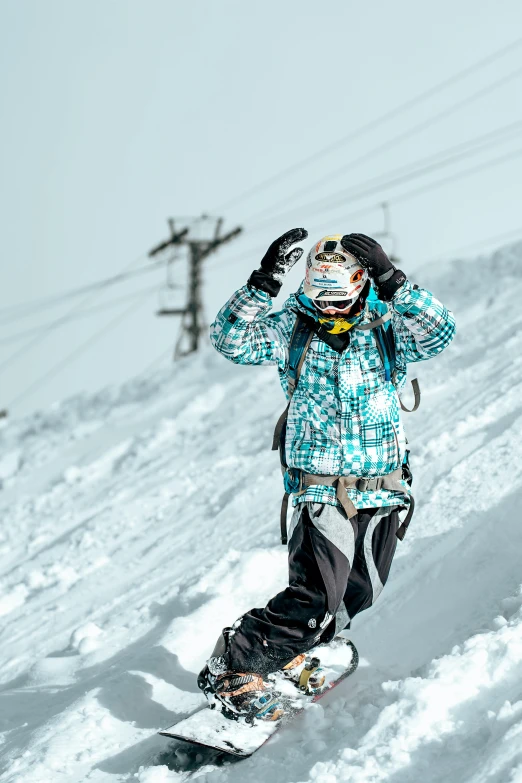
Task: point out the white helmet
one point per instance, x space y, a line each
333 273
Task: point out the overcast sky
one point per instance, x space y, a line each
118 114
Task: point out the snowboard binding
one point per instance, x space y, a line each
306 673
312 676
240 697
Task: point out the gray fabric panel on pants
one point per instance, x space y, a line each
294 521
375 579
342 618
335 527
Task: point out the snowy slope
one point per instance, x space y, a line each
136 523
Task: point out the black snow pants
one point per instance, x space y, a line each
337 566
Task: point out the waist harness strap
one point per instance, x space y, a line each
392 481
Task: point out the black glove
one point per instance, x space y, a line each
277 262
370 254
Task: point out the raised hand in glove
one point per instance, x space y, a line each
277 261
370 254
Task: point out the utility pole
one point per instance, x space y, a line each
198 251
194 308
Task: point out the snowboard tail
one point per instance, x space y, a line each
210 728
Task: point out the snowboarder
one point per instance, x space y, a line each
343 444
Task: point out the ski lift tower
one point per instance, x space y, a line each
200 237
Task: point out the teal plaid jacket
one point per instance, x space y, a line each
344 418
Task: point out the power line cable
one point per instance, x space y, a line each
400 197
56 368
439 183
418 168
8 313
360 191
395 140
73 316
436 160
459 175
481 243
92 290
389 115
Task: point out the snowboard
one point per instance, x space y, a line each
210 728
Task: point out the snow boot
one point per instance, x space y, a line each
239 695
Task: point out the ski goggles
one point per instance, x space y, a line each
337 305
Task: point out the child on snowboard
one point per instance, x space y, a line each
344 446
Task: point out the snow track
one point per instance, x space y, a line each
136 523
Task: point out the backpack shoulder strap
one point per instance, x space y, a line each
388 339
375 324
300 341
385 340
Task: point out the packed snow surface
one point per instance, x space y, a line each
134 524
